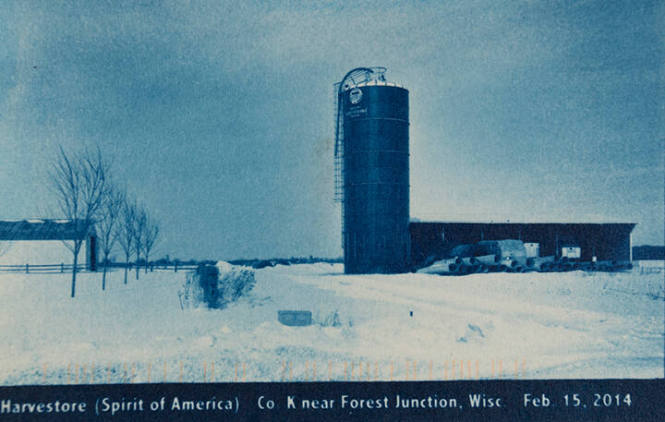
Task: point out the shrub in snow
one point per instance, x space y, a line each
263 264
330 320
191 294
234 283
216 286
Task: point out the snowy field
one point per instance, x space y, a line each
409 326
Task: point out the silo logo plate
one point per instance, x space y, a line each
355 95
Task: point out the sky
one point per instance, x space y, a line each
218 116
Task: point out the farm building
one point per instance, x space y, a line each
583 241
372 185
42 242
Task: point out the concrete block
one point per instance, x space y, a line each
295 318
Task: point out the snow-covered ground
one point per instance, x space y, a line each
408 326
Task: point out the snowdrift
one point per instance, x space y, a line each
403 326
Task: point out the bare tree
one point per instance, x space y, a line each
150 235
140 222
107 227
125 231
5 246
79 183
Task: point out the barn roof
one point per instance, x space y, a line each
516 230
627 226
42 229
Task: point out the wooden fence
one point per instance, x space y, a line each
167 267
41 268
67 268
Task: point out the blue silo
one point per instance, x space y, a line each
372 152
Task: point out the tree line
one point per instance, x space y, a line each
88 196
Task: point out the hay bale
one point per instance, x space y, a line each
463 251
507 249
487 259
443 266
540 263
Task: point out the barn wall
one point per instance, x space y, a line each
41 252
21 252
605 241
91 253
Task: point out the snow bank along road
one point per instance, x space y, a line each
408 326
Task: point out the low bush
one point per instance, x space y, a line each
330 320
216 286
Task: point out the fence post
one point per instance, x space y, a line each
27 268
62 267
175 268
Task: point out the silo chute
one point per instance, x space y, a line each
351 79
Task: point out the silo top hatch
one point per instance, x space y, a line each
364 92
365 76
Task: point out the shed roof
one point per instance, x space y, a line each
43 229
